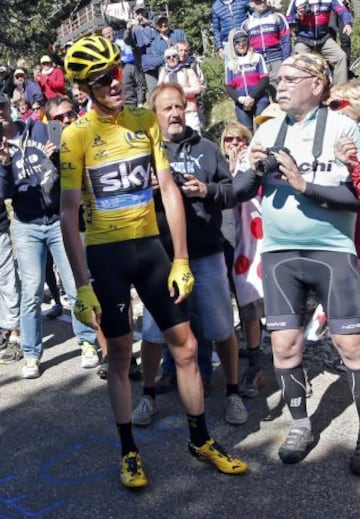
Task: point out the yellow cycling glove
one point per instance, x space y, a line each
85 304
181 275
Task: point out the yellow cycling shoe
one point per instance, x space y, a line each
215 454
132 474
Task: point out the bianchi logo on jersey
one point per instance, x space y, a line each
98 141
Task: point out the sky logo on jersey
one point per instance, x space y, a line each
117 178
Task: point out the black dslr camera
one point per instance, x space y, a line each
265 166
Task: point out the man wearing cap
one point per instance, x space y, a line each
25 88
313 33
308 210
51 78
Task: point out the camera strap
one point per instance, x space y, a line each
318 137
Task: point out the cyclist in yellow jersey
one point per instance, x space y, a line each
106 158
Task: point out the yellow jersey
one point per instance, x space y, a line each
110 159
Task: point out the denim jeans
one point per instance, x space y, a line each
210 302
9 286
32 242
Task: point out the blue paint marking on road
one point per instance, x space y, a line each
47 467
10 477
13 504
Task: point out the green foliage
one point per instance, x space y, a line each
26 28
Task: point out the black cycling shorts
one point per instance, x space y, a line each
143 263
287 277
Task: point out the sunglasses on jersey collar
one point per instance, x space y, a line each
107 78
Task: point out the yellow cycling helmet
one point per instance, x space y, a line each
90 55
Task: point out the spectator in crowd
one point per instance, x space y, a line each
308 222
227 15
51 79
313 34
10 350
247 78
33 185
189 61
135 239
6 81
133 77
82 100
245 259
38 111
25 88
269 35
336 26
174 72
24 109
205 182
139 36
165 37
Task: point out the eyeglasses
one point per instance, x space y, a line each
71 114
291 81
239 42
106 79
230 138
338 104
173 56
36 108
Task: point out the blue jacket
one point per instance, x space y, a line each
155 58
227 16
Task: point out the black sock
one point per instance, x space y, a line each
232 389
198 429
254 354
292 385
354 382
126 438
150 391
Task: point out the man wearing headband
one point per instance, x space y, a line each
308 210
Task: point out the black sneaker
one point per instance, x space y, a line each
103 368
165 384
11 354
297 444
354 463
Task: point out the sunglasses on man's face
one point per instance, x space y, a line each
71 114
106 79
241 41
19 76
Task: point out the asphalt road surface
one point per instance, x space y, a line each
60 451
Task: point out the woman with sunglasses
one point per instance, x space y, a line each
174 71
246 78
242 229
